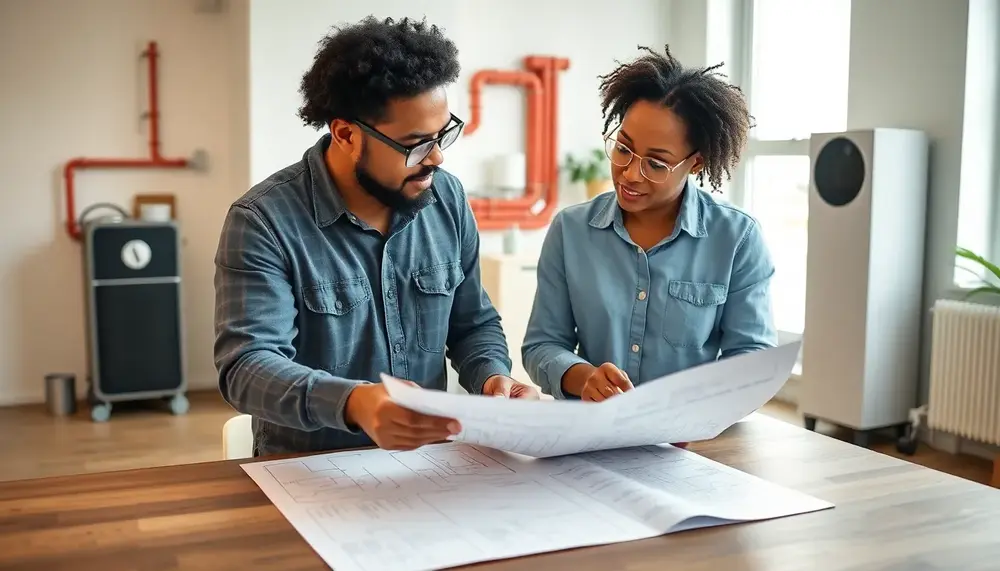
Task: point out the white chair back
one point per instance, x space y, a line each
237 437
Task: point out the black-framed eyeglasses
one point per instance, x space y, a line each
654 170
416 153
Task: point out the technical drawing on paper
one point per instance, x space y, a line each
533 444
688 478
316 480
451 464
625 457
671 470
441 527
346 475
447 505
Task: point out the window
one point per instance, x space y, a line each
795 77
799 55
979 185
780 202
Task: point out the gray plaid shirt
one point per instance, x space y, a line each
310 301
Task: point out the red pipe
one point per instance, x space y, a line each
517 211
537 121
154 103
503 214
534 143
155 160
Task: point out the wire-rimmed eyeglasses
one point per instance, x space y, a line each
416 153
655 170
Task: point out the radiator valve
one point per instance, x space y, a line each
907 443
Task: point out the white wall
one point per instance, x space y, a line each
72 84
489 35
908 70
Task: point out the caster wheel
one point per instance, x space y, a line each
907 446
179 405
100 412
862 438
902 431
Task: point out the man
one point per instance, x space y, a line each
361 258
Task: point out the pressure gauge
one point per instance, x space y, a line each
136 254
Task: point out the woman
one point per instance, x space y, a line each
656 277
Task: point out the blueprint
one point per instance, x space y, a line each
688 406
454 504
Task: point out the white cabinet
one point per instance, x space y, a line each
510 281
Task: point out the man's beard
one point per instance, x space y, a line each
392 198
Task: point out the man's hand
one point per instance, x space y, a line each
391 426
502 386
605 382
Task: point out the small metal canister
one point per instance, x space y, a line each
60 394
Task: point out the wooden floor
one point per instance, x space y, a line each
34 444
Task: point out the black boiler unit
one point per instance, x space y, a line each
135 332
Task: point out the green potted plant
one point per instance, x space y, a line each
592 170
987 288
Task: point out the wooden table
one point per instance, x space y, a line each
889 514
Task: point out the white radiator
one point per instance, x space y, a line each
965 371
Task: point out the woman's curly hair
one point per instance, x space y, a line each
714 111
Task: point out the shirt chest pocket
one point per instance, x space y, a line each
435 294
336 319
692 312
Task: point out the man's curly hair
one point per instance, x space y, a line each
360 68
714 111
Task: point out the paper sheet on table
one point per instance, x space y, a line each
455 504
688 406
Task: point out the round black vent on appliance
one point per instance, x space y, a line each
839 172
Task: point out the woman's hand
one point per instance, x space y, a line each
605 382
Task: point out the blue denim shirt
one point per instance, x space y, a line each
310 301
701 293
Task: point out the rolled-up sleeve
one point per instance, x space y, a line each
550 339
255 315
747 323
476 341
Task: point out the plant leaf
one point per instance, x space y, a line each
593 166
987 289
970 255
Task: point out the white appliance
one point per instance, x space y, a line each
861 344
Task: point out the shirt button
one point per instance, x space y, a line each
389 294
339 304
642 295
447 284
635 348
398 348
